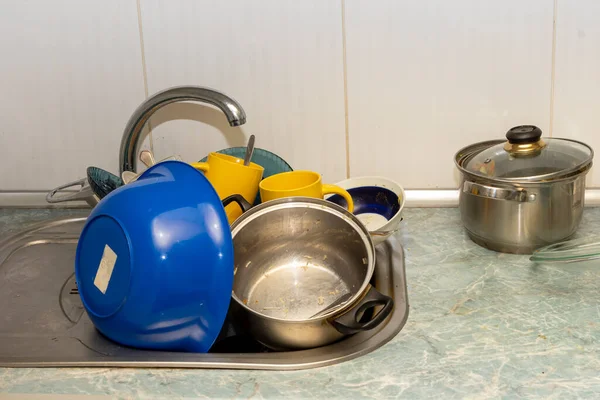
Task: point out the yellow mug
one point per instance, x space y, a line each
300 183
228 175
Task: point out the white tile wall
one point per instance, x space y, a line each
424 78
71 74
577 75
282 60
428 77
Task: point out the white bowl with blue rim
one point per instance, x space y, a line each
378 204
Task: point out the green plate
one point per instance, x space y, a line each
271 162
102 182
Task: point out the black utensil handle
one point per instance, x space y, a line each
348 322
524 134
239 199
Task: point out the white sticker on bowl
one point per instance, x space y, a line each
105 269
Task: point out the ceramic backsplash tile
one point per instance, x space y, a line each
576 81
282 60
428 77
71 76
424 78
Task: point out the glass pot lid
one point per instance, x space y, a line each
526 156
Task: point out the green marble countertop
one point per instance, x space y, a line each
481 325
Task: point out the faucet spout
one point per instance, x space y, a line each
132 135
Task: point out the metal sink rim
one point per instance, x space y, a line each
347 349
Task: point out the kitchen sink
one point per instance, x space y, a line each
43 322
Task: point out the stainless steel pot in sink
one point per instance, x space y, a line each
524 193
302 273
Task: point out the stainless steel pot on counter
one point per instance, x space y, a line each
523 193
302 274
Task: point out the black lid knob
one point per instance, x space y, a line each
524 134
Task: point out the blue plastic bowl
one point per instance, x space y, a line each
154 262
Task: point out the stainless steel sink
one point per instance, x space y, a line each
43 323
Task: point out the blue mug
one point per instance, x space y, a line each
154 262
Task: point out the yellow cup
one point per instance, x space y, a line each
228 175
300 183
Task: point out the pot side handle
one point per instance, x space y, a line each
477 189
348 324
84 192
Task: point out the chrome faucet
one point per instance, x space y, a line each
132 136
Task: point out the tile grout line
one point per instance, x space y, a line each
553 68
345 72
144 74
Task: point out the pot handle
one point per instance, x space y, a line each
85 192
348 324
477 189
239 199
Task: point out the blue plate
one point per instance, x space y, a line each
271 162
154 262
